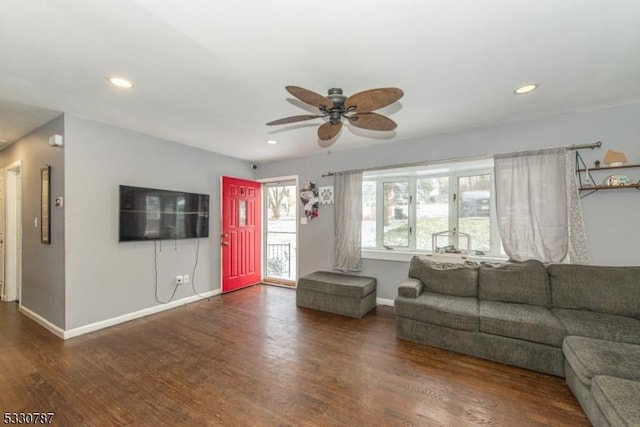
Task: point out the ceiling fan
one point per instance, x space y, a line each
356 109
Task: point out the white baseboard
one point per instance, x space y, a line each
92 327
81 330
59 332
384 301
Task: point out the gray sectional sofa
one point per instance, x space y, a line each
574 321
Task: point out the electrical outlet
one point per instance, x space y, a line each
186 278
179 279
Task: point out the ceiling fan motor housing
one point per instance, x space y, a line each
335 95
335 114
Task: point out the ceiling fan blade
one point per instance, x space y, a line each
310 97
294 119
329 130
373 99
373 121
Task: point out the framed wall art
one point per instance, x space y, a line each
45 204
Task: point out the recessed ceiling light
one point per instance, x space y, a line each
120 82
526 88
272 141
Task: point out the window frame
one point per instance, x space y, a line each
454 171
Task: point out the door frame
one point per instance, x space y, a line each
16 193
265 181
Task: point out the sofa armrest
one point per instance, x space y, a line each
410 288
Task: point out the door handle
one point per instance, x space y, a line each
224 243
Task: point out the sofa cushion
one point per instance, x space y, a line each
618 399
331 283
443 310
446 278
599 325
518 282
613 290
589 357
526 322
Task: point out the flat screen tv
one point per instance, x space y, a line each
149 214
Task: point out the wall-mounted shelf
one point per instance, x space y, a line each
586 190
609 187
601 168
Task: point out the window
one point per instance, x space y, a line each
403 208
395 208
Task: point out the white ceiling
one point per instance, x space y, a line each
211 73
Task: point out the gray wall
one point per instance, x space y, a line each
611 216
43 273
105 278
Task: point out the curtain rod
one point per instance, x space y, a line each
426 163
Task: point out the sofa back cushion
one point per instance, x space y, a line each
517 282
613 290
446 278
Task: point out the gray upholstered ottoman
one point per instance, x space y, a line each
337 293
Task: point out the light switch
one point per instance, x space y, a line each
35 222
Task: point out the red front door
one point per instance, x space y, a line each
241 232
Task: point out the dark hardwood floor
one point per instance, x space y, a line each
252 358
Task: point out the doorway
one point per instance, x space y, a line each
281 243
240 238
11 232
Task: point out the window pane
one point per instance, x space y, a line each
396 213
474 210
242 213
368 214
432 210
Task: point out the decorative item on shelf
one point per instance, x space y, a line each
587 182
449 242
616 180
615 158
309 199
326 195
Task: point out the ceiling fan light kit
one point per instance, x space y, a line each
356 109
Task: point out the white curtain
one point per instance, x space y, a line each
348 221
578 249
531 202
